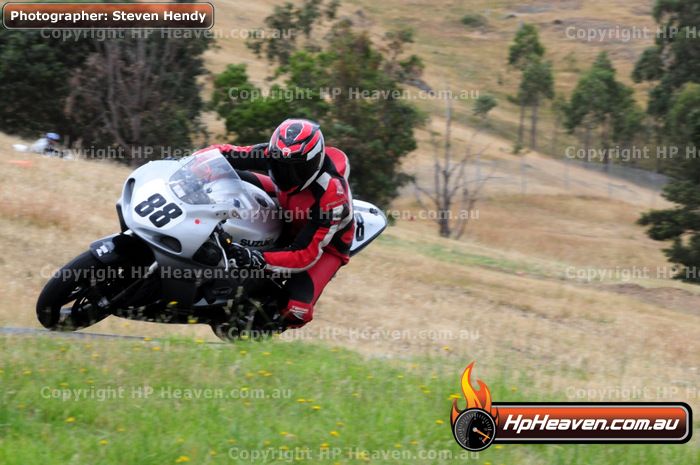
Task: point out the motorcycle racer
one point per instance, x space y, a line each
310 181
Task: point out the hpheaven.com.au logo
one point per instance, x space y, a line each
484 422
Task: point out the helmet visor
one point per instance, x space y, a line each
288 174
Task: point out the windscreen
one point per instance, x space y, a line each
206 178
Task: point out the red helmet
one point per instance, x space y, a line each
296 154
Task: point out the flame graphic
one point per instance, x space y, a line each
476 398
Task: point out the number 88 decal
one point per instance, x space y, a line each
151 206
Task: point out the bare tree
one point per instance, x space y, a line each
452 188
136 94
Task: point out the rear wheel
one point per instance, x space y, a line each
72 299
253 321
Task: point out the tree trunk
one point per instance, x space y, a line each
587 140
605 145
444 220
444 223
521 127
555 136
657 142
533 125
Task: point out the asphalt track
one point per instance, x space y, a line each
76 335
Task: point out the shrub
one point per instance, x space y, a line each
474 20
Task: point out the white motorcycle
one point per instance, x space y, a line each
168 264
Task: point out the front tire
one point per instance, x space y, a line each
70 300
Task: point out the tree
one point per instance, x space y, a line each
559 106
123 92
525 46
407 70
361 112
525 49
251 115
537 84
287 23
600 101
483 105
681 224
368 118
231 87
674 59
138 93
34 73
673 66
453 195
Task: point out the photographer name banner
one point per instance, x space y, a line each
108 15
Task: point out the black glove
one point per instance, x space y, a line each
243 257
260 150
257 151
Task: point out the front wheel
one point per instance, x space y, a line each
71 299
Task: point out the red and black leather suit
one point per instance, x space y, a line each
320 225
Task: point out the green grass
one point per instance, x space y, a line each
289 400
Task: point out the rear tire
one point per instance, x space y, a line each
253 322
69 300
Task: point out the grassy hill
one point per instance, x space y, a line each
554 290
474 59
